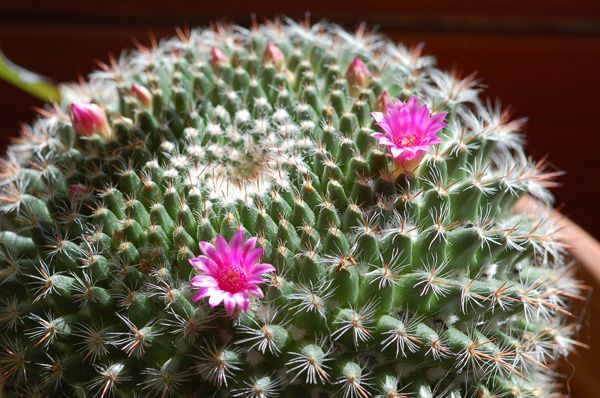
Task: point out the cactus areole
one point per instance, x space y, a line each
282 211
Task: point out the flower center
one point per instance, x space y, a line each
232 279
407 140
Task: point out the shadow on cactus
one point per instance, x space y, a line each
285 211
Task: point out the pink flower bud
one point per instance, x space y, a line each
77 192
217 57
142 94
358 74
275 56
89 119
382 102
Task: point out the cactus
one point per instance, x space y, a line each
243 213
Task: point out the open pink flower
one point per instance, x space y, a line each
229 272
410 131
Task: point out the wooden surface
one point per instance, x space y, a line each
540 56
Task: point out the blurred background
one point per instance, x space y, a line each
541 57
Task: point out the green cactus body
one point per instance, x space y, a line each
386 285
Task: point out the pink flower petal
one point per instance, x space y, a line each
250 244
386 141
204 281
209 250
255 291
202 293
215 298
236 247
221 244
229 303
255 280
385 125
378 116
242 301
262 268
253 256
198 264
396 152
237 240
204 264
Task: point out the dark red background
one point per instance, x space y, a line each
542 57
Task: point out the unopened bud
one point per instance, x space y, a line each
382 102
217 57
358 74
274 55
78 192
142 94
89 119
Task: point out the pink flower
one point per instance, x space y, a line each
89 119
275 56
229 272
410 131
142 94
358 74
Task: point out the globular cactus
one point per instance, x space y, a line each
284 211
